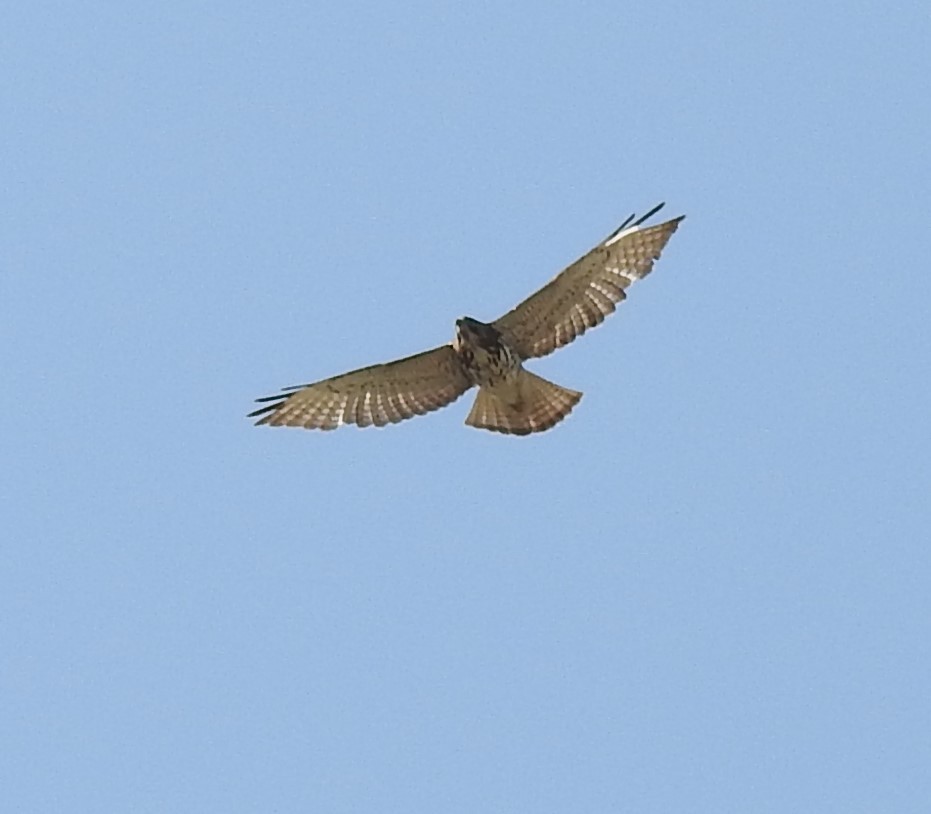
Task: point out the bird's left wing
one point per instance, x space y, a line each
583 294
379 395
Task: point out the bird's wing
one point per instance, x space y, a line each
583 294
379 395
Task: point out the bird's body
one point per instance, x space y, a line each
486 357
489 356
510 399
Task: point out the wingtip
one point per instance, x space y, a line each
651 213
272 403
632 222
267 411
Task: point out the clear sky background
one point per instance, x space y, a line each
708 590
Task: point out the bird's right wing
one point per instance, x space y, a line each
379 395
582 295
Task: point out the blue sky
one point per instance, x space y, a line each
706 591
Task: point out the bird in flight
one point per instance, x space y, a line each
489 356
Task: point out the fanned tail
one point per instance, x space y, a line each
532 405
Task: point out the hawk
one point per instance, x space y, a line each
489 356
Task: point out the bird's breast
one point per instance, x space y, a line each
488 365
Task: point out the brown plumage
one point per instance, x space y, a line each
511 399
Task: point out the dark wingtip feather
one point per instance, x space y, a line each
651 213
631 222
268 410
262 410
276 401
625 224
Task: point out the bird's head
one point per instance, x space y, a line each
474 332
468 328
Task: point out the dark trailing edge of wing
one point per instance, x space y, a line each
627 222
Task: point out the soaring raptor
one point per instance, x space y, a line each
487 355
